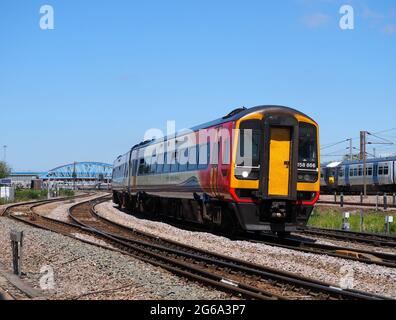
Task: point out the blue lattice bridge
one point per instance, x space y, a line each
88 171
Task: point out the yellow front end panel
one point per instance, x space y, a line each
279 163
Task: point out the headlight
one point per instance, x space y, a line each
307 177
243 173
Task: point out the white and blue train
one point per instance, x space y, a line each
347 176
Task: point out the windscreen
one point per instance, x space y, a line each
307 147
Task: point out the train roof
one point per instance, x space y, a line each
232 116
348 162
241 112
370 160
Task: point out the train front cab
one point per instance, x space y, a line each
279 191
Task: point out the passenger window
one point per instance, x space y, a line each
351 172
226 156
147 165
193 158
141 167
174 163
355 172
380 170
183 154
166 162
204 150
386 170
160 163
360 171
153 166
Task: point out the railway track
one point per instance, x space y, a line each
303 244
234 271
368 238
39 202
309 246
118 243
235 276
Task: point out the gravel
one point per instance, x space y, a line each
370 278
84 271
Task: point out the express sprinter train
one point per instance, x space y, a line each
272 189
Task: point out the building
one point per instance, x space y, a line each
23 179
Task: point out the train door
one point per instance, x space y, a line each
375 174
224 160
215 162
347 175
135 168
128 172
279 161
394 173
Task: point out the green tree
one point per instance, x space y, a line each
4 170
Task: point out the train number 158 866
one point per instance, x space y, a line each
306 165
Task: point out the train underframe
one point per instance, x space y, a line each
230 217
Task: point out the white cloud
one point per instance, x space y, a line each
316 20
371 14
390 29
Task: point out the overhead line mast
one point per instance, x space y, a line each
363 156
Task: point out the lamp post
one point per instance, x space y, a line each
350 149
49 185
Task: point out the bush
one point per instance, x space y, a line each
66 193
28 194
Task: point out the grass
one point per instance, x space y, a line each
331 218
28 194
23 195
66 193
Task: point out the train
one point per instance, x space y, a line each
348 176
253 170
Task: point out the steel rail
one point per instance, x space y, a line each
303 245
219 282
201 276
240 266
356 233
372 239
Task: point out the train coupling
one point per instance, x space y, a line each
278 210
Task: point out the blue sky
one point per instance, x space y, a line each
110 70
